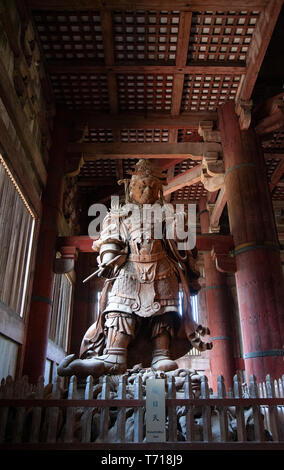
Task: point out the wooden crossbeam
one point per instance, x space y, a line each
128 120
260 41
107 34
277 175
181 5
192 150
187 178
97 181
218 208
204 242
271 123
181 60
80 66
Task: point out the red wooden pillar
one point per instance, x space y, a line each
80 321
219 314
259 277
39 316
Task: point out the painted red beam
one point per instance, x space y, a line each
204 242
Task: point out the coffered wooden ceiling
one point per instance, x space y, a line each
139 76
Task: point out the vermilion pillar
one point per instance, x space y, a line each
219 314
41 302
259 277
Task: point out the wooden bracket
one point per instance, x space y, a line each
66 263
225 263
243 110
205 130
212 174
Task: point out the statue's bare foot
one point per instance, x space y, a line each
162 361
80 367
95 366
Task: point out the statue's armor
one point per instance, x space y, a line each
146 284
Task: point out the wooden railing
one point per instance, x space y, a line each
38 417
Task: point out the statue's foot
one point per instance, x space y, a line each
95 366
162 361
80 367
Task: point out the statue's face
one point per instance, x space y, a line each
145 190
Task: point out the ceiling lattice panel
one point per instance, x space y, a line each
99 135
70 35
81 91
278 193
191 193
271 164
145 36
145 91
98 168
144 135
274 141
221 36
184 165
164 62
207 92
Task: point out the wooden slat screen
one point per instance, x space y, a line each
60 315
16 235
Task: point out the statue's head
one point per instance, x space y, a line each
145 185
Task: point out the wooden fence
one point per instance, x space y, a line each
38 417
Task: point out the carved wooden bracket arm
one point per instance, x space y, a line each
224 259
66 262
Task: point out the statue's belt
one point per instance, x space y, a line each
143 258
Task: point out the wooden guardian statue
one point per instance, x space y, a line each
139 320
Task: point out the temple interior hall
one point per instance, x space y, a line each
88 88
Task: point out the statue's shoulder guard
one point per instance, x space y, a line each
113 229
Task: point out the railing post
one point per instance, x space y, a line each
6 392
138 412
37 412
53 413
121 416
238 393
86 419
223 410
172 416
206 411
104 411
272 410
70 413
188 393
257 416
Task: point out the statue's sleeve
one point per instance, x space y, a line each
112 244
113 231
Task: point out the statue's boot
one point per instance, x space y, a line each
161 359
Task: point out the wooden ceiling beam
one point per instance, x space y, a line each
258 46
80 66
192 150
204 242
187 178
96 181
276 175
107 35
181 5
128 120
181 60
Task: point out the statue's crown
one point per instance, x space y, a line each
145 168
